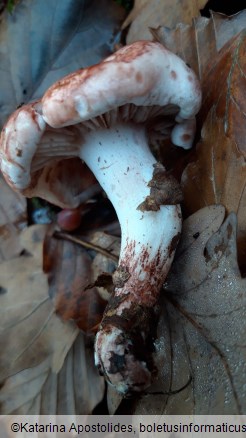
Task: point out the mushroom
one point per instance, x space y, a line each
106 115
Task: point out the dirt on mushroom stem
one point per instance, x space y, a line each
125 168
128 329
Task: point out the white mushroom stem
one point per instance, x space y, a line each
121 160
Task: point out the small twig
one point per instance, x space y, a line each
87 245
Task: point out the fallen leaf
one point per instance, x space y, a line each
154 13
25 297
68 266
75 390
42 42
38 372
12 220
219 173
201 342
18 392
199 42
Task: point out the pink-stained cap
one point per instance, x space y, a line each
142 83
34 167
19 141
183 133
143 74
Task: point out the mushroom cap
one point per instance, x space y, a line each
41 171
144 74
142 82
19 140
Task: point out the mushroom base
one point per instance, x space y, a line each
125 358
124 343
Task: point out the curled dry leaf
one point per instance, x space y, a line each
154 13
38 372
199 42
69 271
201 344
219 174
12 220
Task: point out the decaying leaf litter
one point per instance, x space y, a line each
197 337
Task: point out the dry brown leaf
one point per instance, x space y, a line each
75 390
18 393
30 330
12 220
154 13
68 267
219 173
201 350
199 42
42 370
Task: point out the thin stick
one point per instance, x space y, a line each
85 244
